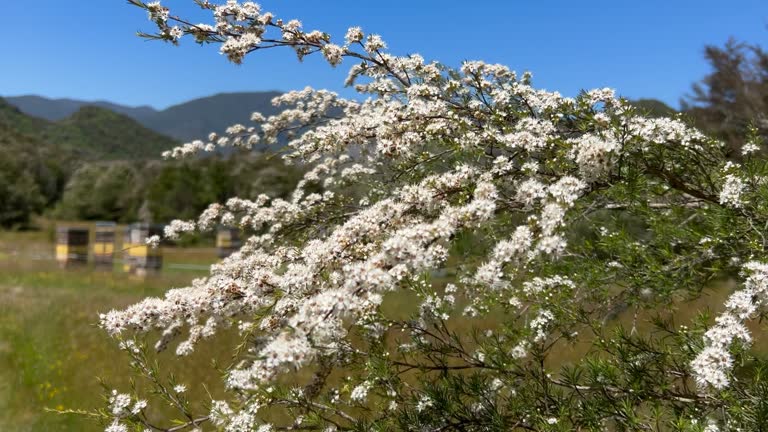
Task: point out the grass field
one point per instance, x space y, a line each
51 351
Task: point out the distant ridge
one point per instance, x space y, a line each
99 133
89 133
187 121
196 118
59 109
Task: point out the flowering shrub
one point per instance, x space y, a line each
470 232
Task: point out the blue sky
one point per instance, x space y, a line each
87 49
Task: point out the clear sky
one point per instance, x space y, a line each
87 49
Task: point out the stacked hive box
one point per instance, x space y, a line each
138 257
227 241
104 244
71 246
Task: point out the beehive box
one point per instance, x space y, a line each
104 243
71 245
138 257
227 241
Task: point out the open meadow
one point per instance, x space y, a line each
51 350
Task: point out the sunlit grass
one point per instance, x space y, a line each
51 350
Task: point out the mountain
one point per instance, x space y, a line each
653 107
199 117
59 109
90 133
190 120
13 119
98 133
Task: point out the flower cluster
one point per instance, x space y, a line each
122 406
730 194
712 367
393 183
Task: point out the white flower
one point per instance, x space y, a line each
354 34
424 403
712 366
594 154
374 43
175 33
153 241
119 403
540 324
360 393
241 422
519 351
156 12
606 95
138 406
177 227
116 427
749 148
730 194
333 53
220 412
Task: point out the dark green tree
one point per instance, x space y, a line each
104 191
32 176
733 95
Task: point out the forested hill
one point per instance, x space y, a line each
187 121
13 119
197 118
653 108
96 164
98 133
32 172
90 133
59 109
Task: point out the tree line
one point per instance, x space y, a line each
160 191
93 166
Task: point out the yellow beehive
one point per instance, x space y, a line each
71 245
138 257
104 243
227 241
